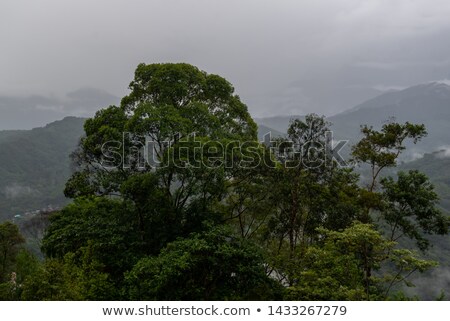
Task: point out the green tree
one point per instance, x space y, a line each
10 243
213 265
126 208
381 149
309 192
407 206
410 208
106 228
168 103
74 277
51 281
342 267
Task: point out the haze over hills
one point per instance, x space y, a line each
262 130
35 164
436 166
27 112
426 103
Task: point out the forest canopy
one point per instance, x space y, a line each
253 221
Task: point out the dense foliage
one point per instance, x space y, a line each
174 199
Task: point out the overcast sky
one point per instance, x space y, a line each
283 57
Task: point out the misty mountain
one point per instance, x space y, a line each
436 166
263 130
426 103
26 112
35 164
279 123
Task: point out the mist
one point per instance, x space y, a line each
283 57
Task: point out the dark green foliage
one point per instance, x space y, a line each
308 193
10 242
189 91
74 277
343 267
109 228
381 149
52 281
437 167
257 225
214 265
409 205
410 208
17 264
35 165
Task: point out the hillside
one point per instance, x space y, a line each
437 167
263 130
35 164
279 123
426 103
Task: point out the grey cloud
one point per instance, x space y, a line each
16 190
431 285
25 112
282 56
443 152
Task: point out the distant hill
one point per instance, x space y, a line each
437 167
35 164
279 123
263 130
426 103
26 112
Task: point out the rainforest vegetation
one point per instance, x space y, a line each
174 198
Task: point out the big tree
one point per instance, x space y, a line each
147 150
157 168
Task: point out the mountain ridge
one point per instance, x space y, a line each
424 103
34 165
